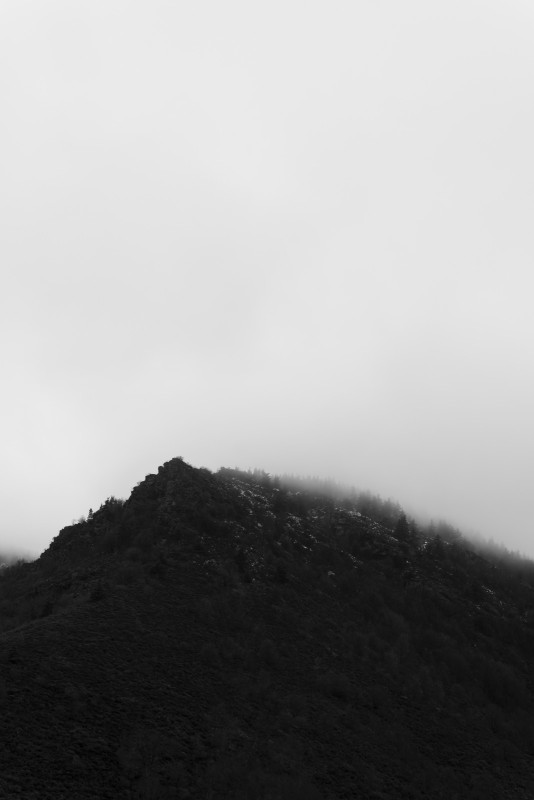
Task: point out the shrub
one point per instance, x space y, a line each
3 692
268 653
129 574
337 685
133 554
98 592
209 654
280 571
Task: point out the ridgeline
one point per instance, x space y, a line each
234 635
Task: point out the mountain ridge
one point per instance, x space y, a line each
234 635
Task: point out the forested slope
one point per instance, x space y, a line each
238 636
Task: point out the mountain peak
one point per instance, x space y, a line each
241 635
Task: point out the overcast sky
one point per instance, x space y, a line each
291 235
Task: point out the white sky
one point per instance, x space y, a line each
292 235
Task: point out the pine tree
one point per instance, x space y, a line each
402 529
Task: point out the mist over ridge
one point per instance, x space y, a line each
239 634
374 504
295 236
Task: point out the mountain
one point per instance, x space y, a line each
234 635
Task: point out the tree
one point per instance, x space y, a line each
402 529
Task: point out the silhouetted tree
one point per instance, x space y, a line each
402 529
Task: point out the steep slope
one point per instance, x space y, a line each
223 636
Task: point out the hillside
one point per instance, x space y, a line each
230 635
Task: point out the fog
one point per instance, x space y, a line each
294 236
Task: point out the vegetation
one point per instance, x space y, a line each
245 636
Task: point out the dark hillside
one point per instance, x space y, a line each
237 636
